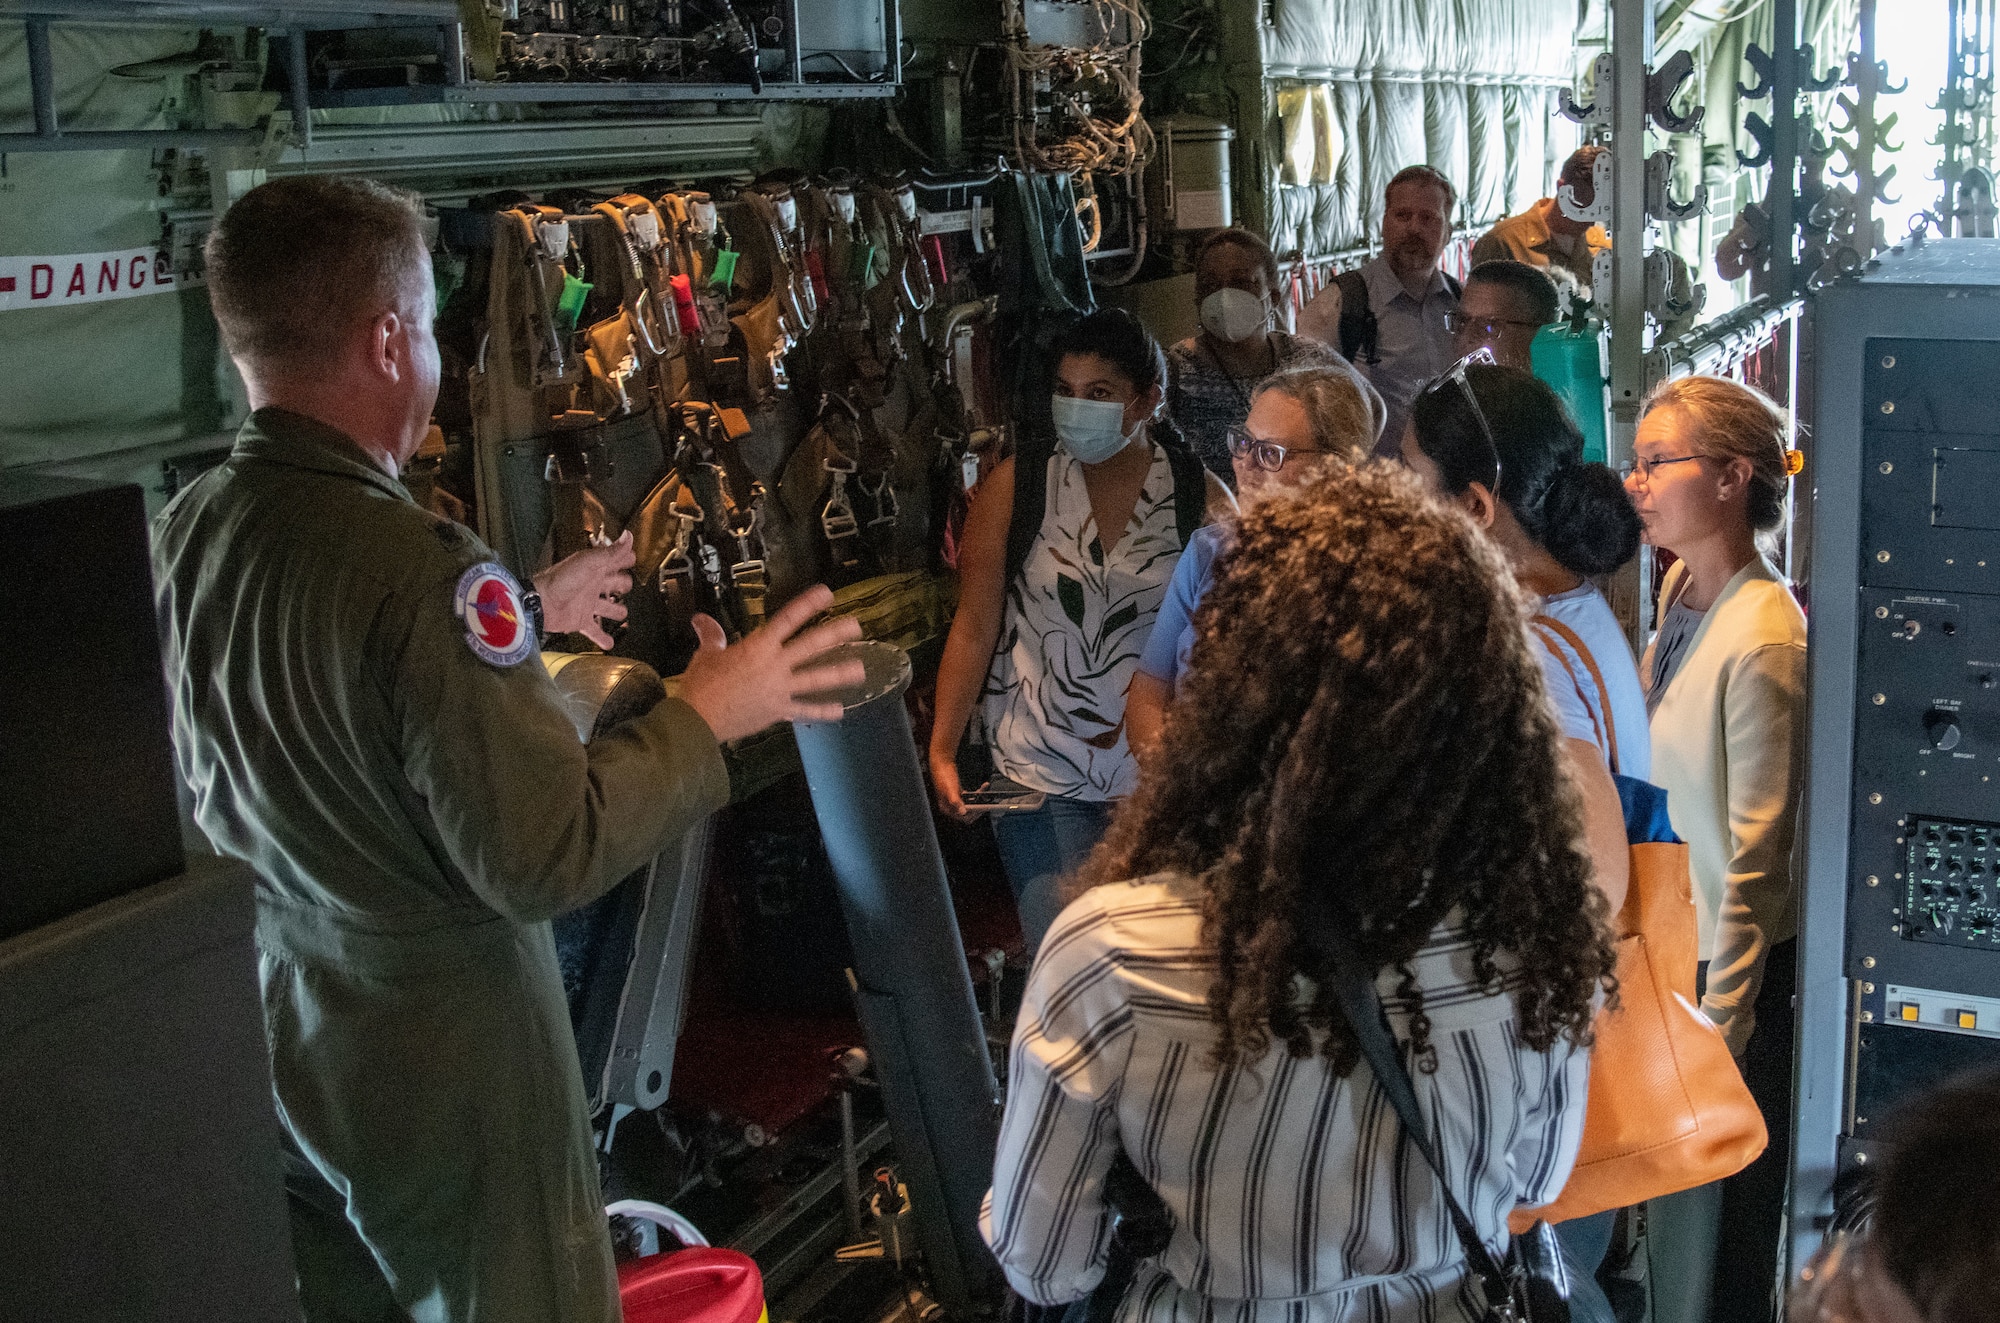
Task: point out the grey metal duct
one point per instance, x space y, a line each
911 982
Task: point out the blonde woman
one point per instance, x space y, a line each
1725 677
1303 423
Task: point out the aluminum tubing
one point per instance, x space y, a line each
912 984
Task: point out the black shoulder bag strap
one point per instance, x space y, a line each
1190 490
1358 328
1363 1008
1031 481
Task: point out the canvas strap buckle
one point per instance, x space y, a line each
836 519
678 564
887 506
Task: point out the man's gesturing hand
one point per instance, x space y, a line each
759 682
578 591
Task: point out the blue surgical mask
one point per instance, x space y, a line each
1093 430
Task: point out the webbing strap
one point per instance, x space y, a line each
1607 731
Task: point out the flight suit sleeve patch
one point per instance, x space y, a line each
488 602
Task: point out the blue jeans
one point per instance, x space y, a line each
1585 1242
1042 847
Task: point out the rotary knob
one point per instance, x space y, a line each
1941 729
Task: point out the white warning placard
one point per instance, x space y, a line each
59 282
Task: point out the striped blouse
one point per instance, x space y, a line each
1293 1196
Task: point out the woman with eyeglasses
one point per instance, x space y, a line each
1725 683
1052 611
1303 424
1499 444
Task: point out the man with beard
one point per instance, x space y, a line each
1389 317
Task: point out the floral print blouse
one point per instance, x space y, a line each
1077 617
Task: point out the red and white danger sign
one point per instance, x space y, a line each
58 282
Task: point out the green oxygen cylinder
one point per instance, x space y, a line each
1571 363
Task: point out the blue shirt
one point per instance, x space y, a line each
1411 343
1166 654
1577 700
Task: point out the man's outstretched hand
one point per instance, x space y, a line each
580 591
741 689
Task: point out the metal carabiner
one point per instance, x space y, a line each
887 507
836 518
677 563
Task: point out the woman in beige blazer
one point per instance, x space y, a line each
1725 677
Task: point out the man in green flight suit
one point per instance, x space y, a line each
362 714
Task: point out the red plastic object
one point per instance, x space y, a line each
692 1286
934 254
816 272
684 309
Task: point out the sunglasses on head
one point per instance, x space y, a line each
1455 375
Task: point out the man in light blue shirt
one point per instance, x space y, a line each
1388 318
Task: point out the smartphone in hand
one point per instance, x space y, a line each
1001 795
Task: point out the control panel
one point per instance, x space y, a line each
1951 886
1899 859
1925 827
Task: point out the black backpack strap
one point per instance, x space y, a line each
1031 482
1361 1005
1357 319
1190 490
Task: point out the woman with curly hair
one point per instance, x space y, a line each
1365 749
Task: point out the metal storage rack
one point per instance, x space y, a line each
813 30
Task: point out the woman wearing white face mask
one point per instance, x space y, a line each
1213 375
1052 614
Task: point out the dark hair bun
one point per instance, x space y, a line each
1588 523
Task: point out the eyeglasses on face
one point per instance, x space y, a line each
1455 374
1644 467
1456 321
1266 455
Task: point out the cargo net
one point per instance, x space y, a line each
1075 106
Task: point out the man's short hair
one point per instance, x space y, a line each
1533 292
297 263
1576 170
1423 174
